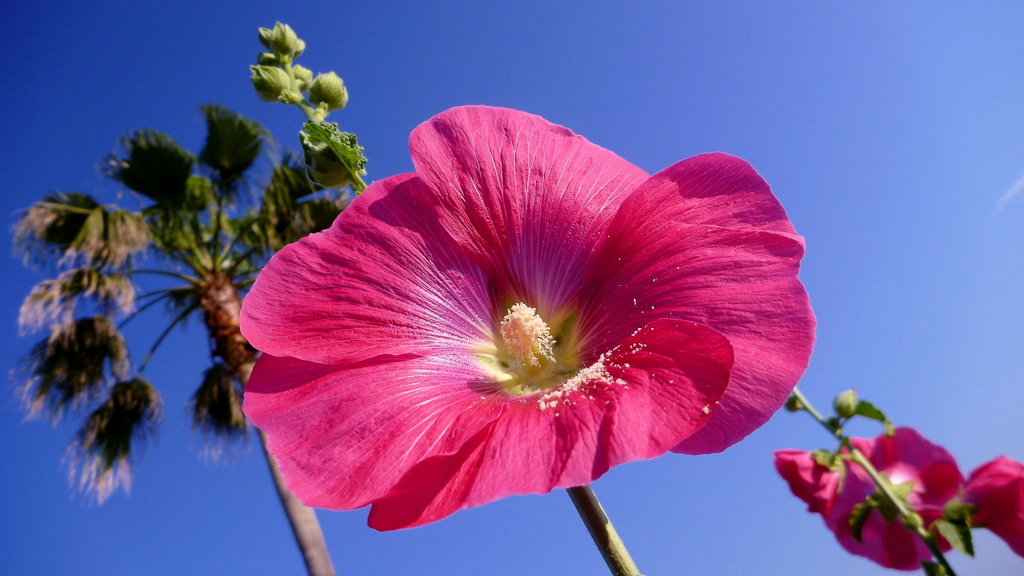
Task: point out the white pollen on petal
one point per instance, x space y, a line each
706 409
526 335
595 372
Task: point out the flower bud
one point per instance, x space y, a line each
845 404
267 59
304 76
282 40
270 82
333 158
793 404
328 89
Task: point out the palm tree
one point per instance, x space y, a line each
207 229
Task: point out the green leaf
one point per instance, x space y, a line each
933 569
233 143
68 369
868 410
217 409
958 535
333 158
858 517
76 228
154 166
104 447
53 301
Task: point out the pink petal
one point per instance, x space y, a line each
997 489
343 436
384 279
526 198
890 545
705 241
809 481
671 375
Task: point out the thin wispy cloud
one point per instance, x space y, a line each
1010 194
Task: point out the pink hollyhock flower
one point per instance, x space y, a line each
524 312
997 489
905 457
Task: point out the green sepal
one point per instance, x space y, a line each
958 512
858 517
957 534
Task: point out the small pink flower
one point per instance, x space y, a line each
905 457
524 312
997 489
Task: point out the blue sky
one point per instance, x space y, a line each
891 133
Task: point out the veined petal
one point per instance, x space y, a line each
384 279
705 241
343 436
526 198
661 385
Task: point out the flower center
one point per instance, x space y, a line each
526 335
530 356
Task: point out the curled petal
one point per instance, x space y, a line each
706 241
997 489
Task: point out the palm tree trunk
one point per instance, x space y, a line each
221 307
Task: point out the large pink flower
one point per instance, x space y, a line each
524 312
997 489
905 457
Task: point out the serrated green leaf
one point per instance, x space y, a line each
958 535
933 569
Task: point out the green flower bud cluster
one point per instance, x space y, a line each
277 79
334 159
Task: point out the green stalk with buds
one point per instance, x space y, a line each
334 159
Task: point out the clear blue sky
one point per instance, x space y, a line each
890 131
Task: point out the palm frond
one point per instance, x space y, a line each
217 409
75 228
53 301
233 143
153 165
112 437
68 369
199 192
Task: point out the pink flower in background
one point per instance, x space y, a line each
811 482
524 312
997 489
905 457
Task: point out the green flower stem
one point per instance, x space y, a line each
880 480
601 530
357 184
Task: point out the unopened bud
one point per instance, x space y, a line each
267 59
333 158
793 404
913 521
270 82
845 404
282 40
304 76
328 89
